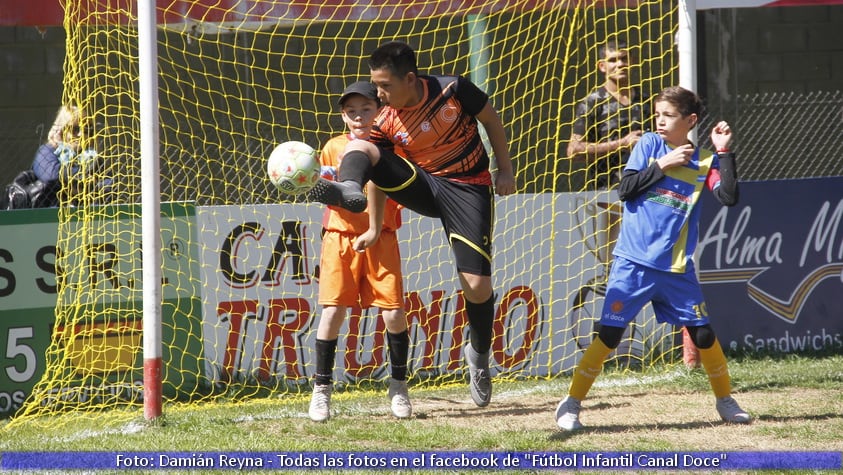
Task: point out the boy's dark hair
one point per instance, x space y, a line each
686 102
396 56
613 44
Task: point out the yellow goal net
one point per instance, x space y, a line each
240 259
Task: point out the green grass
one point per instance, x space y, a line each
796 401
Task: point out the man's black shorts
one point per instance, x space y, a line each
465 210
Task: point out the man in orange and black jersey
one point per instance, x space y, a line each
427 154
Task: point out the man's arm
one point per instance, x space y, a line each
581 149
505 180
377 203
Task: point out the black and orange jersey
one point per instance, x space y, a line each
439 134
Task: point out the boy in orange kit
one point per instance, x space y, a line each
360 264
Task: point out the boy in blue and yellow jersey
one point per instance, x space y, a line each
660 188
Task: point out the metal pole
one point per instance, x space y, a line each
479 56
686 44
150 208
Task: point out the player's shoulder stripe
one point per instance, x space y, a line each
445 85
706 157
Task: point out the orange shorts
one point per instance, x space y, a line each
368 279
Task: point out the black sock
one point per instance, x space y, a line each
326 351
355 167
399 347
480 319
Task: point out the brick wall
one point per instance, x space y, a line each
760 50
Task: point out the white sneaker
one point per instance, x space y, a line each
402 408
320 403
568 414
480 382
729 411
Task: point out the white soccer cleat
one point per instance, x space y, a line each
402 408
568 414
320 403
729 411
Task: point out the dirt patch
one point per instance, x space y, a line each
784 420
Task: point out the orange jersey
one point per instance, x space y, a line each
439 134
344 221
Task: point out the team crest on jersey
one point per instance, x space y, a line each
425 126
617 306
448 113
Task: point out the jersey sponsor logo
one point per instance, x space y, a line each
670 198
401 137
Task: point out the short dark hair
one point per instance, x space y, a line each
686 102
612 44
396 56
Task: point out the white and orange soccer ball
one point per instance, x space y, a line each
293 167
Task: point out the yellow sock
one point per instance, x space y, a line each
588 369
714 362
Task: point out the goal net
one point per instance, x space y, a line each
240 259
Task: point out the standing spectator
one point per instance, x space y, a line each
608 123
63 148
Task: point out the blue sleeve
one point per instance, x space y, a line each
46 164
639 174
639 159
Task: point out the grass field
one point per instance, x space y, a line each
796 402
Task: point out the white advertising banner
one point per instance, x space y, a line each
260 292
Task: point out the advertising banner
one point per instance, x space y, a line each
260 293
772 266
241 283
103 339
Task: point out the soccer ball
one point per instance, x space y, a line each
293 167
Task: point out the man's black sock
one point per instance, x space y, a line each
355 167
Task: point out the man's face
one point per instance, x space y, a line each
395 91
615 65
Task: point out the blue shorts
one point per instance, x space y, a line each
677 298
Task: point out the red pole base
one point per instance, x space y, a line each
152 388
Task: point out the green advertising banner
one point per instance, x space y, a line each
103 275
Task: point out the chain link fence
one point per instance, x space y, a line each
784 135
